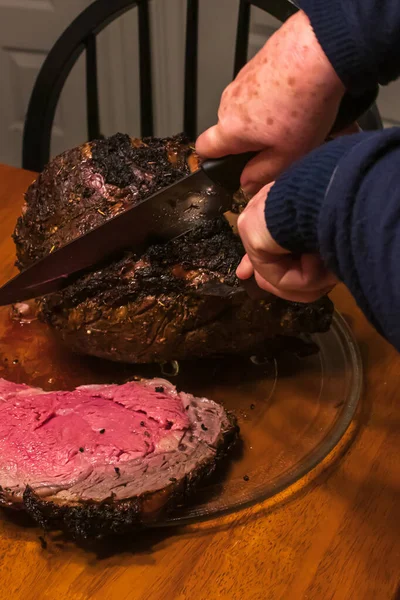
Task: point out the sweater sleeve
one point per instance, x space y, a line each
361 38
343 201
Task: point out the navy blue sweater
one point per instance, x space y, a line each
343 199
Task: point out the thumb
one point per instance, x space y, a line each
262 169
215 142
245 270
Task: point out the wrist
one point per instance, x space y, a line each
340 33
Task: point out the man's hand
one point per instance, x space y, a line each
284 102
299 279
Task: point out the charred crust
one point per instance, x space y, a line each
83 187
123 164
165 328
211 248
152 308
87 519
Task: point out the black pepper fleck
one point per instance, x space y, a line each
182 447
141 423
187 407
252 406
102 431
160 389
204 428
118 472
246 478
15 361
81 449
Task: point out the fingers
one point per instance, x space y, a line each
304 274
292 295
245 270
289 274
212 143
296 278
291 290
252 227
261 170
269 164
218 141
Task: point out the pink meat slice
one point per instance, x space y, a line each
98 440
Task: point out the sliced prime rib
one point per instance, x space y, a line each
105 459
156 307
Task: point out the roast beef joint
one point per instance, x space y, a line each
156 307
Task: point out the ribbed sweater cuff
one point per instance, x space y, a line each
294 203
343 47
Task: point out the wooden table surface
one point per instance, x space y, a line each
334 535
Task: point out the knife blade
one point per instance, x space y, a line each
166 215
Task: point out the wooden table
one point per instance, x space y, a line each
335 535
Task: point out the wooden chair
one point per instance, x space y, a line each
80 37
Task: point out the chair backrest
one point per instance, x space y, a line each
81 35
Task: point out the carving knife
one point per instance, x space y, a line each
167 214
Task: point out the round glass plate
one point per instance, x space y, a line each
292 412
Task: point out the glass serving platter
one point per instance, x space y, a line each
291 411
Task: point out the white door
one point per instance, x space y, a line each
28 29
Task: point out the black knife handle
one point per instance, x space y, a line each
227 171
